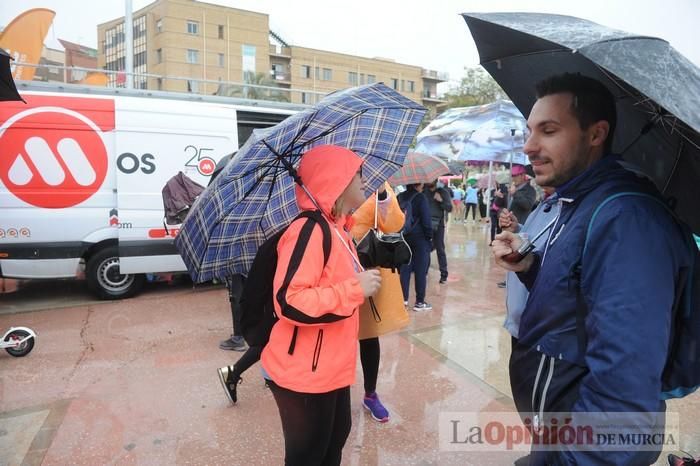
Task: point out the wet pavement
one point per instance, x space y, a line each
134 381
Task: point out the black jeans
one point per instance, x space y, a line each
235 288
315 425
439 246
369 357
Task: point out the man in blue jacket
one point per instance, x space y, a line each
619 292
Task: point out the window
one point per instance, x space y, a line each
352 78
317 73
221 31
371 79
305 71
327 74
411 86
159 56
221 59
192 86
159 25
362 78
277 72
139 59
248 60
159 83
403 85
305 98
192 27
192 56
395 84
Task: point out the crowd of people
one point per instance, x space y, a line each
565 309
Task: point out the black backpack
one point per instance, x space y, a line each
256 304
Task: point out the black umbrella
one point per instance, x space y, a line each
8 90
657 89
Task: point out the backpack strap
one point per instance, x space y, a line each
325 229
317 217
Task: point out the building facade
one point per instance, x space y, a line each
192 46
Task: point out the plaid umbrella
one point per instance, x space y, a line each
419 168
254 198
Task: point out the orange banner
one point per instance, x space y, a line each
24 38
95 79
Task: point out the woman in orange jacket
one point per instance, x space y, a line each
390 219
310 359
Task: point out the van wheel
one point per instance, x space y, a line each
105 280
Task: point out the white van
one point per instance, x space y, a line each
81 174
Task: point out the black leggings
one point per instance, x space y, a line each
315 425
495 228
250 357
473 209
369 357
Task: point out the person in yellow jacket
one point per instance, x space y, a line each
311 357
390 219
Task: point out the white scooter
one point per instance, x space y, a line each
18 341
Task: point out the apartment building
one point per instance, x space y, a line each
192 46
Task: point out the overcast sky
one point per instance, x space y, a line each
428 33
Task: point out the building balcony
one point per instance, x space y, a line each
435 75
280 77
280 51
432 97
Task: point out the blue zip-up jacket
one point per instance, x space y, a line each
628 278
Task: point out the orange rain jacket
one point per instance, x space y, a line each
321 303
389 220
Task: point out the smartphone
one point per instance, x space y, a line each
516 256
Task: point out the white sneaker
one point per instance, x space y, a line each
422 307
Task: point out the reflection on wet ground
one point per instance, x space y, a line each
134 382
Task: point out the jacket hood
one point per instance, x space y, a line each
325 171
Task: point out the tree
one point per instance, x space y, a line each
477 87
255 87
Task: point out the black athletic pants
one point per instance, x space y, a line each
315 425
369 357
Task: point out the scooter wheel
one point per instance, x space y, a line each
22 349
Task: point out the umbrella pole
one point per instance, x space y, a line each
488 189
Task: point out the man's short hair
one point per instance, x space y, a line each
591 102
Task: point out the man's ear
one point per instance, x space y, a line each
599 132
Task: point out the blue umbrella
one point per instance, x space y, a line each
254 198
488 133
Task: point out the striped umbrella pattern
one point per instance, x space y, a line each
419 168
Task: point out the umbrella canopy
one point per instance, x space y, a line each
419 168
8 90
657 89
492 133
254 196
